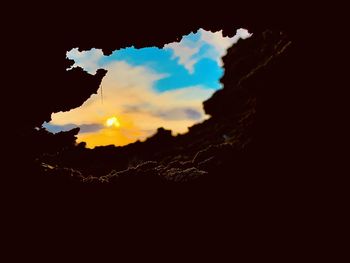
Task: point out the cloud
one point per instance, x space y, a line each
94 127
129 94
242 33
58 128
179 114
220 43
141 97
193 114
84 128
190 50
216 40
88 60
184 51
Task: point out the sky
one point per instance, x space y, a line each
147 88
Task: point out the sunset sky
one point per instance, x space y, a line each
147 88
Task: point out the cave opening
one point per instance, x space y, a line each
147 88
224 171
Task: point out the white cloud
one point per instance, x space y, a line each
129 95
88 60
243 33
184 50
220 43
187 50
216 40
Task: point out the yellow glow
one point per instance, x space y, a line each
127 133
126 86
113 121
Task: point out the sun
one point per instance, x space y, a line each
113 121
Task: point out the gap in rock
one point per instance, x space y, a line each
147 88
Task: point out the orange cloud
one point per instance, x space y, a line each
128 94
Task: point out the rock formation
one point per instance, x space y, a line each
216 148
237 170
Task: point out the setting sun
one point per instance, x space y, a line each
147 88
113 121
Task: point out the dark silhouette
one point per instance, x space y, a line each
237 172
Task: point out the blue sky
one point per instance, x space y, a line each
148 88
206 72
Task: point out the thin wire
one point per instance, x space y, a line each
101 95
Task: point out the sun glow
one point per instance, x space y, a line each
113 122
147 88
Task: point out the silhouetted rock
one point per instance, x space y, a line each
223 144
242 170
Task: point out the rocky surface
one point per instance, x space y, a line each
218 148
255 164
